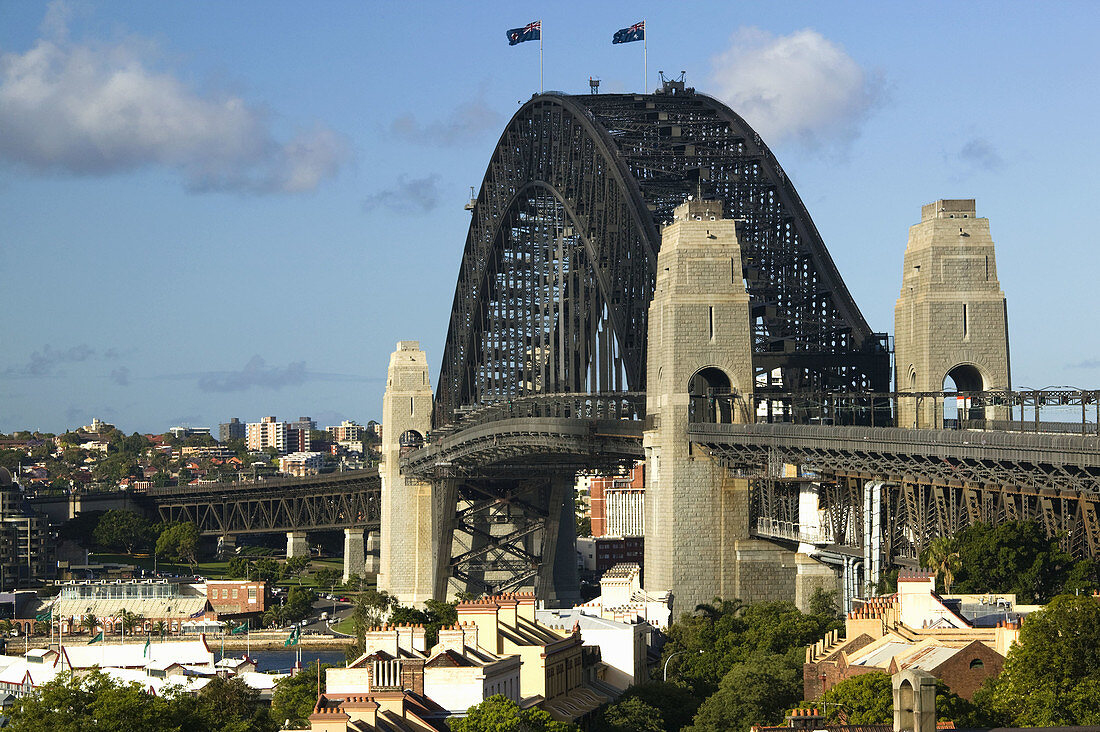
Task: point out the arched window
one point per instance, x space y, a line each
711 396
977 663
963 378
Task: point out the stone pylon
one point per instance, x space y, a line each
699 369
406 556
951 318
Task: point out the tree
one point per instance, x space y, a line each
94 701
729 632
942 555
757 691
498 713
1014 557
864 699
123 531
299 603
294 567
180 542
89 622
131 621
1052 675
295 696
631 715
327 577
676 704
81 528
231 705
823 602
265 569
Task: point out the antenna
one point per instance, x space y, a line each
594 85
472 202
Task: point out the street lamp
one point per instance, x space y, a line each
670 657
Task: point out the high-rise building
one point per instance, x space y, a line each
347 431
234 429
283 436
618 503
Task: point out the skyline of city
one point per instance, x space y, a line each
263 254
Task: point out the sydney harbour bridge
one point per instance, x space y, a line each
544 373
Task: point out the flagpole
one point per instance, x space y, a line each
540 57
645 58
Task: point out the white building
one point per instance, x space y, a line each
301 463
456 673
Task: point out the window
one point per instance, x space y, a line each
234 593
976 664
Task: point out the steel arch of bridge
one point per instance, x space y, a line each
560 259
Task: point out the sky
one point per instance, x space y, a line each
214 209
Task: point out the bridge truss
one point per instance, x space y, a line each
935 482
560 263
330 501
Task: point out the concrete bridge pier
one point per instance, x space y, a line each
354 552
297 544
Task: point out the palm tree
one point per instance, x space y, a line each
942 555
719 607
130 620
89 621
159 628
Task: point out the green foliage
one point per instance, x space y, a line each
728 632
327 577
631 715
124 531
864 699
823 603
869 699
584 525
1014 557
500 714
81 528
676 704
299 603
180 542
231 705
1052 675
942 555
434 616
266 569
756 691
294 567
295 696
94 701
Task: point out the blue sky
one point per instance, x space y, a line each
216 209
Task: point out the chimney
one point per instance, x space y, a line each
508 612
384 639
360 709
412 637
484 615
525 605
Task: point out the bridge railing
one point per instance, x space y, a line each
1056 410
628 405
776 529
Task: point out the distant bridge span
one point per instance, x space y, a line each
329 501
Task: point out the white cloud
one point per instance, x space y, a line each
799 87
97 109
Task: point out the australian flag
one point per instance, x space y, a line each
529 32
635 32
